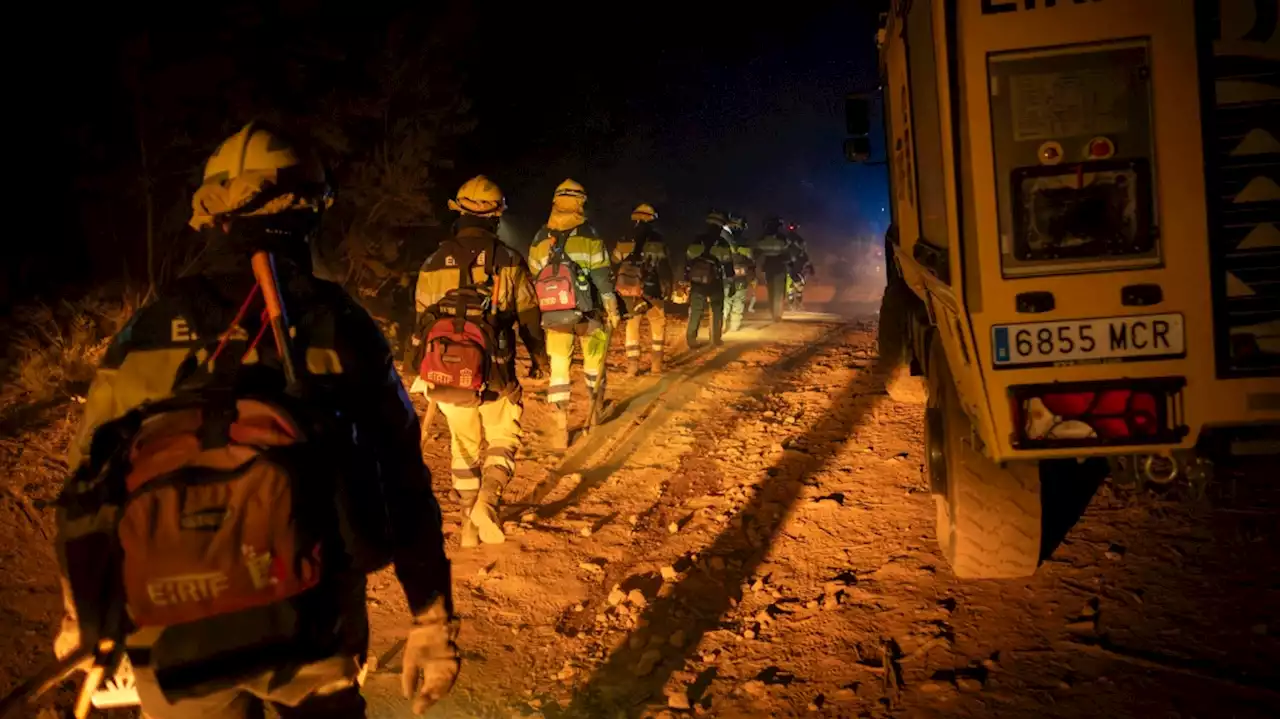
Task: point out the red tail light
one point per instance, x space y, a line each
1123 412
1101 148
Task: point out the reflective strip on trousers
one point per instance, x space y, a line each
496 424
657 331
560 347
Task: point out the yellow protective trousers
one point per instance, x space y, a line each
326 688
496 424
657 331
560 347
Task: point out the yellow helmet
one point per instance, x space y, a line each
644 212
480 197
570 188
255 172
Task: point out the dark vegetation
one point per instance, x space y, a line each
129 107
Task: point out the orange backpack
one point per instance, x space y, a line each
219 518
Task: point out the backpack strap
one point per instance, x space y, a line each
637 252
557 253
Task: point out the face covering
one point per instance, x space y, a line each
566 213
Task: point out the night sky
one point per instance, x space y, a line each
743 113
681 106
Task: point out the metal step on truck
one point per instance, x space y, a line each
1084 260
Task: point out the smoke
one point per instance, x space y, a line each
514 234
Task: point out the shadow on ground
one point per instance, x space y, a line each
699 601
1066 489
633 435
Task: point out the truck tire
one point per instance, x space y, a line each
988 518
894 337
894 328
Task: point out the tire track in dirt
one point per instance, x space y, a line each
696 603
696 473
503 592
627 419
664 403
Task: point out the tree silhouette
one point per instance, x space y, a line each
378 98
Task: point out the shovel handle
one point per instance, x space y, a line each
427 421
93 680
264 270
597 400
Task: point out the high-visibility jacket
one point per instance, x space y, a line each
773 254
514 302
585 248
653 253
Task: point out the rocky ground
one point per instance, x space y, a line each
749 535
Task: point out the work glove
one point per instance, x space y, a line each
611 311
431 660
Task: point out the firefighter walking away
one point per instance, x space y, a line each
773 260
704 271
739 269
642 278
573 280
473 292
799 268
298 488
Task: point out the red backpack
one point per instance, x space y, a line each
461 345
563 289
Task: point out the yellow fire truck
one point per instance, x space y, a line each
1084 260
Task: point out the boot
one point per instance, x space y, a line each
469 535
633 366
484 515
655 361
560 428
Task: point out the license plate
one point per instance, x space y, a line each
1071 341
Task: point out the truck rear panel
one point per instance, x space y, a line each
1118 265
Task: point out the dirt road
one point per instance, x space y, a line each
750 536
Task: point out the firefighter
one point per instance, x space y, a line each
740 231
739 267
799 267
567 243
485 432
261 192
704 271
642 278
772 259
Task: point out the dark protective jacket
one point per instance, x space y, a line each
713 242
799 263
772 254
345 362
532 337
514 302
